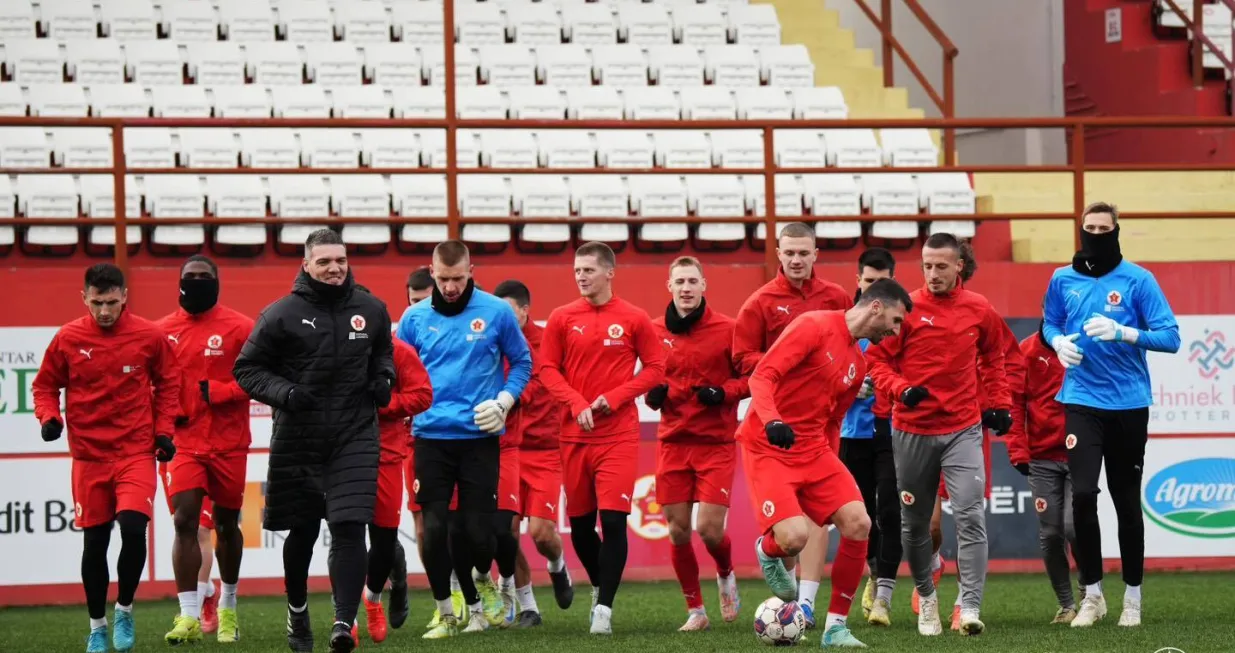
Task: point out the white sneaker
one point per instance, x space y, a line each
595 597
476 622
602 620
928 616
695 620
1093 608
1131 615
971 624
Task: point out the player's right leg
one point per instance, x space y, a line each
1046 482
186 552
577 473
858 456
917 475
888 551
774 480
1084 443
540 494
134 487
94 508
226 490
964 470
714 466
1124 464
616 466
472 542
436 475
383 533
506 532
675 492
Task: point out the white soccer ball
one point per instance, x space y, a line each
778 623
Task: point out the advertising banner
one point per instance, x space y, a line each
1194 390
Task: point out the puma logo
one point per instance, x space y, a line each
1045 361
86 353
668 342
625 497
514 499
830 359
550 506
309 322
783 309
577 328
928 320
175 339
724 491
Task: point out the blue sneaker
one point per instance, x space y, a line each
122 636
782 583
809 613
838 636
97 641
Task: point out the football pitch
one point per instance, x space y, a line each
1191 613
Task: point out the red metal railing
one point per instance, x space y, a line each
1200 42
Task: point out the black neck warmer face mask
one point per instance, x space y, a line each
681 324
198 295
456 307
1099 253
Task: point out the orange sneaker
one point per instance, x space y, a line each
956 617
375 620
356 629
210 612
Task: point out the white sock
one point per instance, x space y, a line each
476 608
124 608
834 620
1132 593
188 604
526 599
227 599
1094 590
558 564
298 610
446 608
206 589
507 583
98 623
807 591
936 562
883 589
371 596
454 583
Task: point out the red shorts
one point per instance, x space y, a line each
507 481
222 476
207 519
388 507
409 478
692 472
540 482
986 458
103 488
599 476
787 485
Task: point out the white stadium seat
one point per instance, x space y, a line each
479 23
275 63
624 148
484 196
12 100
908 148
368 101
208 148
799 148
392 64
216 63
420 196
659 196
891 194
731 65
852 148
480 103
709 103
17 21
243 101
246 20
333 64
237 196
307 101
8 209
651 103
537 103
361 196
418 23
833 194
191 21
34 61
298 196
180 102
389 148
589 24
154 63
305 21
419 102
175 196
943 193
507 148
542 196
24 147
58 100
149 147
362 22
269 148
763 103
566 148
118 101
818 103
644 24
619 65
48 196
788 189
64 20
786 66
564 65
98 195
717 196
467 64
507 65
601 196
676 65
329 148
754 25
128 20
95 62
536 24
700 24
737 148
433 148
682 149
82 147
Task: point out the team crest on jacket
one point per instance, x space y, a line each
851 374
478 325
358 323
1114 298
215 342
616 331
769 508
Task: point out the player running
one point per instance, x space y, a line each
462 335
1036 450
866 450
213 440
696 454
107 363
931 368
762 318
800 391
1106 395
587 357
538 418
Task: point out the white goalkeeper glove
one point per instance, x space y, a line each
1069 353
1100 327
867 389
491 414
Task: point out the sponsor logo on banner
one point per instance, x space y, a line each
1194 497
1194 390
647 516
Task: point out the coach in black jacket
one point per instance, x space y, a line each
322 358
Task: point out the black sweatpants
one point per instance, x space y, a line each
1116 438
873 467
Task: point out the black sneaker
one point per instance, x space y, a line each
396 606
563 590
299 631
527 619
341 640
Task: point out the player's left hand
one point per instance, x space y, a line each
709 395
1104 329
381 392
491 414
998 420
585 420
601 405
1023 468
164 449
204 387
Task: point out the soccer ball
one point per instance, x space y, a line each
778 623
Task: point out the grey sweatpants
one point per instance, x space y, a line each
1051 484
919 461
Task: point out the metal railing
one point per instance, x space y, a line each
1196 26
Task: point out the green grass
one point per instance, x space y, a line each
1191 612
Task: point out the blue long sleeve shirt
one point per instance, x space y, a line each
1112 375
859 422
463 355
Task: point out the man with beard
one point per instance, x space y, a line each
322 358
1106 395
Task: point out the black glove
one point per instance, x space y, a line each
779 434
163 448
710 395
912 396
655 398
1023 468
381 392
52 429
182 421
204 386
998 420
299 399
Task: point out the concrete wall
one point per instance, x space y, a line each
1010 65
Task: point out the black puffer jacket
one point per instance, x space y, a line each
332 343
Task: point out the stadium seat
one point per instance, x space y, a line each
17 21
98 200
12 100
619 65
275 63
699 24
479 23
175 196
943 193
419 102
480 103
246 21
651 103
418 23
682 149
833 194
763 103
307 101
754 25
154 63
389 148
65 20
361 196
818 103
484 196
659 196
799 148
34 61
269 148
242 101
537 103
542 196
732 148
329 148
94 62
333 64
433 146
786 66
48 196
305 21
208 148
180 102
589 24
507 148
467 65
644 24
566 148
675 65
297 196
717 196
709 103
789 195
8 209
362 22
81 147
368 101
507 65
149 147
601 196
216 63
128 20
392 64
420 196
852 148
908 148
731 65
891 194
58 100
190 21
24 147
536 24
624 148
237 196
564 65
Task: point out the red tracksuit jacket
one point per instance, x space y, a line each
771 308
411 395
206 346
700 357
111 411
538 418
942 346
589 351
808 380
1041 435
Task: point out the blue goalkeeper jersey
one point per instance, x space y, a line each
463 355
859 422
1112 375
